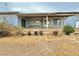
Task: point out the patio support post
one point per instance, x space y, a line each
47 22
63 21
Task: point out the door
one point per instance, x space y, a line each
23 23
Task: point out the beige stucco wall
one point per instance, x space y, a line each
11 19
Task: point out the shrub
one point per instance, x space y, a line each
40 32
11 29
28 33
4 33
68 29
55 33
35 33
8 27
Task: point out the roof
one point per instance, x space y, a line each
42 14
8 12
49 14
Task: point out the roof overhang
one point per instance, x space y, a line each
49 14
8 12
43 14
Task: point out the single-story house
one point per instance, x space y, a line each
40 20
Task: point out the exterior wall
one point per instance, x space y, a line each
19 21
34 22
31 22
51 23
11 19
60 23
71 21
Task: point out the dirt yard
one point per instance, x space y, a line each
46 45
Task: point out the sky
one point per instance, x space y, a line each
39 7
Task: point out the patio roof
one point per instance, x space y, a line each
42 14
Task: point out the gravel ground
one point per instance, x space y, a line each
39 46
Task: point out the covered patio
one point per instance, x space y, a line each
41 21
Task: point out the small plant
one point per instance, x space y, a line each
35 33
28 33
41 32
55 33
68 29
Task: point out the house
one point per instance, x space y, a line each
37 20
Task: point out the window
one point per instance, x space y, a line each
56 22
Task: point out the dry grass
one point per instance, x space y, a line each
39 45
46 45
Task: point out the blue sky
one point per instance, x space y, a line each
39 7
